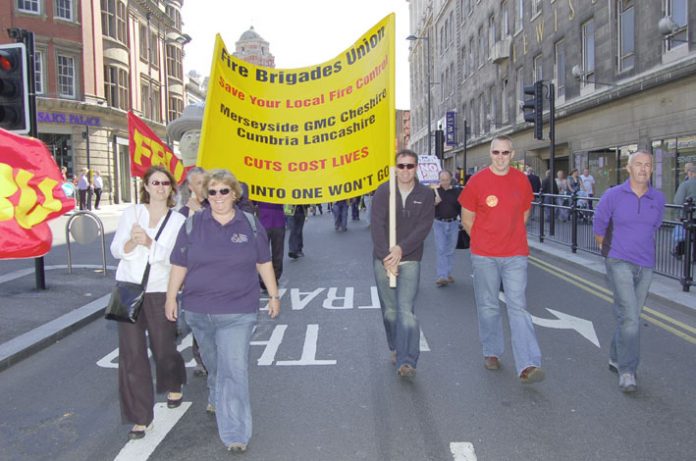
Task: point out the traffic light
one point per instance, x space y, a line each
14 88
439 144
533 107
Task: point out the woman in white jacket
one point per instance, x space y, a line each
134 245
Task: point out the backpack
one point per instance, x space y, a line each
250 217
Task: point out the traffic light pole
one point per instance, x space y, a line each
27 37
552 148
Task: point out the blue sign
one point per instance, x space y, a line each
67 119
451 129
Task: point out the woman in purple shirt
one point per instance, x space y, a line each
217 257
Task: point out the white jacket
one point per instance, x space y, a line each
132 265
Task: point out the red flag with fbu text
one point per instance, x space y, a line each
31 194
147 149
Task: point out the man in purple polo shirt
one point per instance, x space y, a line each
625 223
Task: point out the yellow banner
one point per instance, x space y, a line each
316 134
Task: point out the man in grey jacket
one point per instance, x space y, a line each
415 211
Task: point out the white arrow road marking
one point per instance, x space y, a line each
566 322
423 344
463 451
165 419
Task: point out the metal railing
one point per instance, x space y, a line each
567 220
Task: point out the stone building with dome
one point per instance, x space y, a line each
251 47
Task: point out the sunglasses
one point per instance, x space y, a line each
498 152
214 192
405 166
160 183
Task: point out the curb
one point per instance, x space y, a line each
21 347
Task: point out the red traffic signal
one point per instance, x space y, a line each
14 88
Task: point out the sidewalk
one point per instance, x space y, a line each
31 320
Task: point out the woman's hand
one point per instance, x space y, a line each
273 307
171 309
139 236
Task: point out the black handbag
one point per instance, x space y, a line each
127 297
462 240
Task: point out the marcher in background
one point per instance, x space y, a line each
193 195
686 190
355 208
134 246
296 225
98 184
272 218
534 180
574 183
562 183
588 183
495 206
83 187
625 223
415 210
340 212
218 260
548 186
446 227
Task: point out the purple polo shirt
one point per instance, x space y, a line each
221 275
628 224
271 215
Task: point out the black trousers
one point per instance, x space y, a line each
82 194
134 375
97 197
276 237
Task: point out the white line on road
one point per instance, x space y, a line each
423 344
463 451
165 419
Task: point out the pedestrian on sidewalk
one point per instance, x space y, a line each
98 184
134 245
218 259
625 224
83 187
446 227
496 203
415 210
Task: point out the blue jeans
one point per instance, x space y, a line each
400 322
446 234
488 273
630 284
224 344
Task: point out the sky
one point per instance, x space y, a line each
300 33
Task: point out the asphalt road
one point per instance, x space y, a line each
323 387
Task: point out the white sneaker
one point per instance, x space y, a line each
627 382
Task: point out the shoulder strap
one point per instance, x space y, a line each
252 221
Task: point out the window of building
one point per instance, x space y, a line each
472 55
154 50
450 25
588 49
150 101
464 61
66 76
481 47
176 107
536 7
520 90
559 71
142 35
114 19
677 10
175 15
482 114
116 87
472 117
174 65
492 109
64 9
491 32
504 20
626 25
39 72
504 103
519 16
28 6
538 67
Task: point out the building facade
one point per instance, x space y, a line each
93 62
623 73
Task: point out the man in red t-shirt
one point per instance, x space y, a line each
495 206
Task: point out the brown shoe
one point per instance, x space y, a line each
450 279
532 375
491 363
406 371
441 282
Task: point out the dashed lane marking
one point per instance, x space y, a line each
463 451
